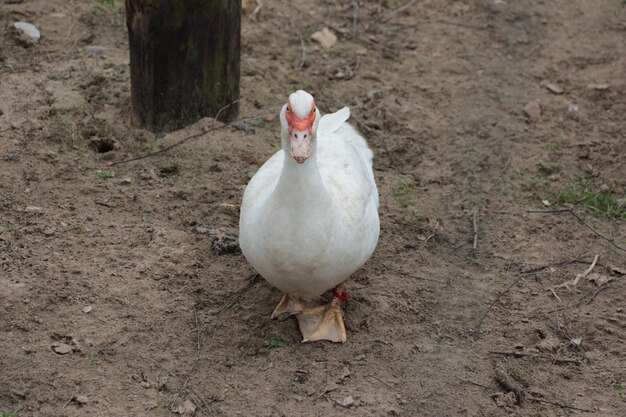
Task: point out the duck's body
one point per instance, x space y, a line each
308 223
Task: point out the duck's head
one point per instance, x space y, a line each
298 119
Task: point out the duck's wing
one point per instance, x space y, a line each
264 181
329 123
336 123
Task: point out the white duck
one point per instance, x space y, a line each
309 216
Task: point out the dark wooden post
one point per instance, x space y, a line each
184 60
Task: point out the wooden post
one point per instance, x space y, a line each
184 60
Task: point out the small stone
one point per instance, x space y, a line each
62 348
576 341
81 399
126 181
244 127
48 231
553 88
410 245
325 37
546 203
228 208
359 357
145 384
160 135
374 94
347 402
96 50
33 209
532 110
599 87
30 30
87 309
572 108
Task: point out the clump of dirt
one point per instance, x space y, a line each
498 134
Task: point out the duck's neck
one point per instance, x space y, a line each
300 185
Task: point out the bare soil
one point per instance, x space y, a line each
438 89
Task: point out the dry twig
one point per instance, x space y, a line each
578 276
406 273
531 398
188 138
355 16
193 367
380 380
199 399
251 281
398 10
475 226
571 407
535 355
585 299
515 281
467 381
555 294
302 46
580 219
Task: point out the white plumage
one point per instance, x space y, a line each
306 227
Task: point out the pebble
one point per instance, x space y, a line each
62 348
202 229
243 126
325 37
48 231
374 94
599 87
553 88
532 110
145 384
28 29
359 357
33 209
348 401
81 399
87 309
126 181
96 49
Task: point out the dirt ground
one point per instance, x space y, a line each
120 294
